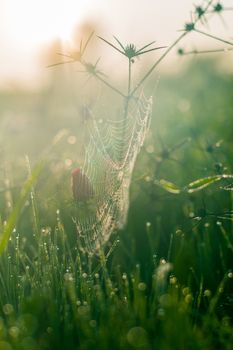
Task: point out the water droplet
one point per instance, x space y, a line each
93 323
14 332
142 287
71 140
148 178
161 313
124 276
173 280
137 337
207 293
8 309
68 277
185 291
188 298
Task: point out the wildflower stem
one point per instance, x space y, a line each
129 78
195 52
109 85
158 61
213 37
127 98
169 49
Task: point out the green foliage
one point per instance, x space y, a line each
12 221
165 281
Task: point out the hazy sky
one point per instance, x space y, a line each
28 26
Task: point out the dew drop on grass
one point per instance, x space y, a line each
185 291
14 332
124 276
71 140
161 312
8 309
142 287
165 300
173 280
147 178
207 293
188 298
93 323
49 330
137 337
68 277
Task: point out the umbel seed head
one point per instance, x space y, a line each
81 186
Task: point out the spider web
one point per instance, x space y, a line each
109 161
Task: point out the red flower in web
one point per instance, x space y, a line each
81 186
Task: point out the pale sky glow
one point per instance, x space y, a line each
26 26
30 23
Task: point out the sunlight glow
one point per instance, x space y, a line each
32 23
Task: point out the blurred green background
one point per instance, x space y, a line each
189 234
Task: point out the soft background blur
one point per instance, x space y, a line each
29 28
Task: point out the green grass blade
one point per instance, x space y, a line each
168 186
11 223
199 184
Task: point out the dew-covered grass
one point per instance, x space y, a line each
165 281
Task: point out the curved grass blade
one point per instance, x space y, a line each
11 223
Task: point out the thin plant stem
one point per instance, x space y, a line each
127 99
157 62
129 78
195 52
109 85
213 37
168 50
